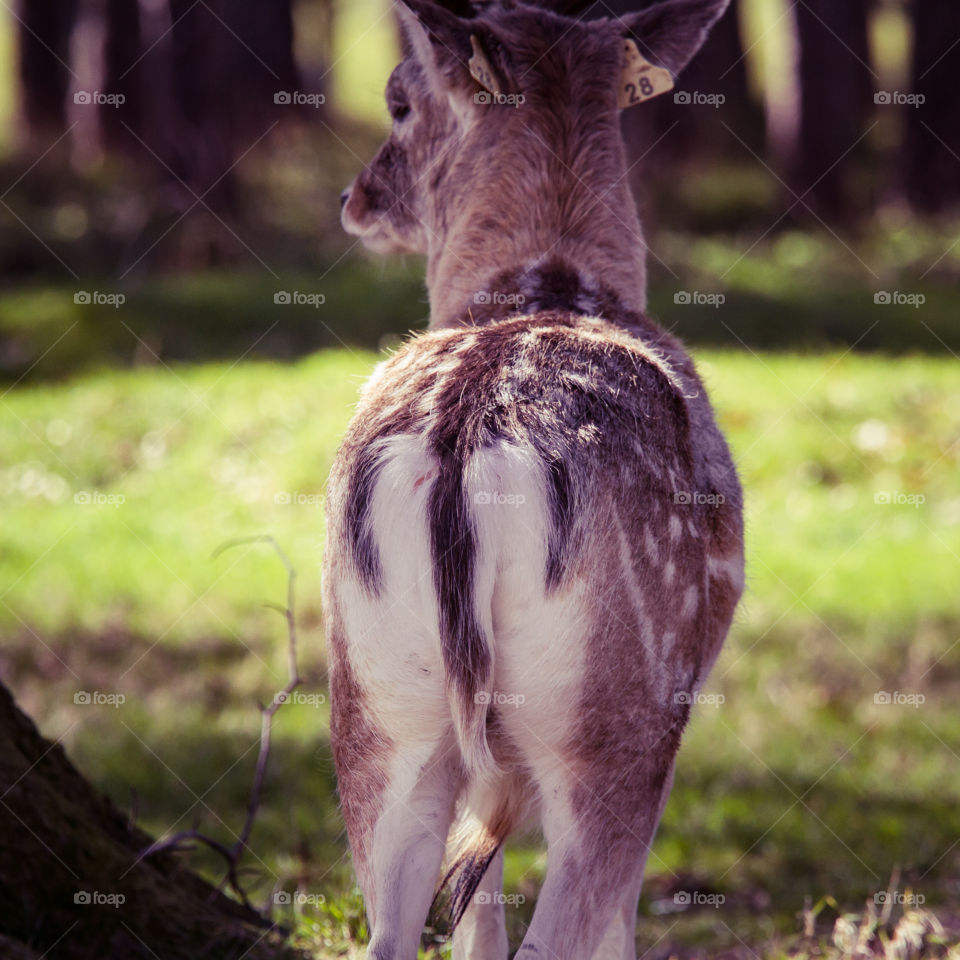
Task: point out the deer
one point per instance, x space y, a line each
534 545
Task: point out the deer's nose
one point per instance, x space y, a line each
344 197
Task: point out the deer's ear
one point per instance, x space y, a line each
456 54
668 34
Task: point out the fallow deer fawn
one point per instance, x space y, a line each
535 542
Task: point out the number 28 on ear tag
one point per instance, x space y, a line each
640 79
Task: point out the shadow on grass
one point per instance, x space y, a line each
45 333
198 775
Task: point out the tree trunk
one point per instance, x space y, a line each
202 93
836 85
43 30
932 149
122 75
70 884
699 129
261 62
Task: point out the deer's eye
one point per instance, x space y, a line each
399 110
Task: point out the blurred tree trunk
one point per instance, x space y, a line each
261 61
68 857
44 28
122 72
932 149
718 69
836 84
229 60
202 94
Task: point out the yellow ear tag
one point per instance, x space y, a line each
640 79
480 69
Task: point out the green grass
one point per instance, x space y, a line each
797 786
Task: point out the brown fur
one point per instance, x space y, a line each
360 747
522 179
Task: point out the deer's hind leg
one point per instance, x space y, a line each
405 854
398 766
598 837
603 771
398 800
620 939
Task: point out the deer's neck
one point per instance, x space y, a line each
538 231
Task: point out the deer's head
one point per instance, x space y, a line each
506 128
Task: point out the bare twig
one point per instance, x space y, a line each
267 712
175 844
232 854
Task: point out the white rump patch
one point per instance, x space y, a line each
538 649
394 638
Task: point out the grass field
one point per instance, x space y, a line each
116 489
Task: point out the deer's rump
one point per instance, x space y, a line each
534 490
